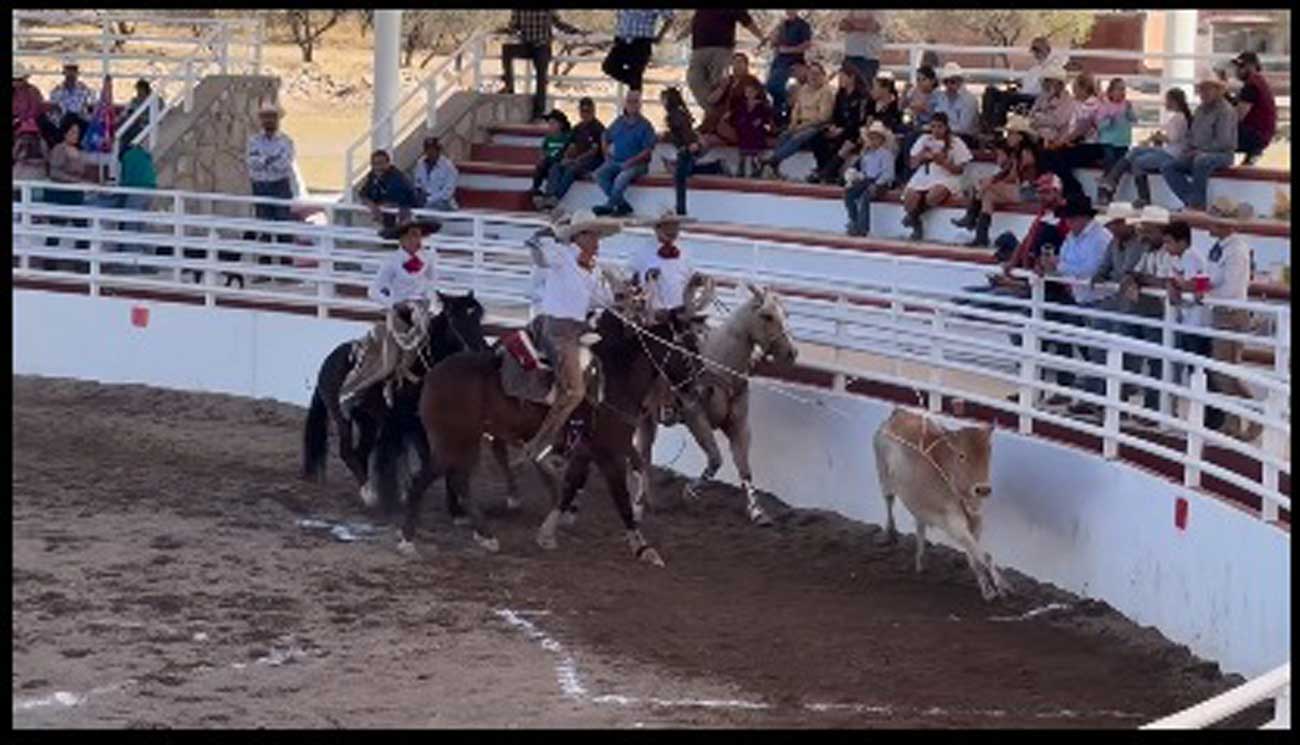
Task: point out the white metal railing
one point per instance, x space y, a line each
418 108
1275 685
938 328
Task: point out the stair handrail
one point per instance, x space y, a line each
470 51
1274 684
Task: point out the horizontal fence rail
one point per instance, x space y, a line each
850 317
1274 685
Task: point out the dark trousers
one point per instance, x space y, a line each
542 170
1250 143
627 61
1063 161
540 54
997 104
1058 293
281 189
687 167
826 151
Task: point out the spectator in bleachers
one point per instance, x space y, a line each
813 105
1079 146
1174 268
864 40
582 156
958 103
29 104
137 172
725 100
883 106
556 141
754 125
837 140
1053 110
71 97
1115 124
1014 181
435 178
937 160
919 105
1045 230
270 166
1164 146
533 29
387 187
68 164
142 92
1228 266
1211 140
682 135
998 102
713 41
31 157
627 145
1256 109
634 39
791 39
872 175
1081 254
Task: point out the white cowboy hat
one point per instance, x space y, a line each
1055 72
21 71
878 127
667 215
1151 214
1119 211
585 221
951 70
71 62
1021 124
270 107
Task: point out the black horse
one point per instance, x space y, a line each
458 327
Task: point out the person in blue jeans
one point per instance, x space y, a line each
628 144
682 136
791 38
871 176
1211 142
581 157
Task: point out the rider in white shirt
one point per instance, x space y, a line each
574 287
664 269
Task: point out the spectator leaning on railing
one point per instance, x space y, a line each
435 178
68 164
628 145
387 186
533 28
713 40
582 156
1210 145
634 39
1256 108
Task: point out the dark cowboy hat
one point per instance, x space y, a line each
1246 58
558 116
1076 206
426 227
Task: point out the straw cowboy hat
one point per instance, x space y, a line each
952 70
70 62
1120 211
1226 207
21 71
270 107
1151 214
426 228
878 127
585 221
1209 77
666 216
1055 72
1021 124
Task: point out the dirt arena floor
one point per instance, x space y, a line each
170 570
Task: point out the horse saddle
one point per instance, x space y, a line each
526 371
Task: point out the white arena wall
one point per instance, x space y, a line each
1105 530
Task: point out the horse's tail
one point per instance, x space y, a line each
315 439
386 463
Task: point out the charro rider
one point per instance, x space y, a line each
404 286
573 287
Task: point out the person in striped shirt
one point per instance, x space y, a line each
634 37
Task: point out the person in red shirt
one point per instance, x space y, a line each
29 104
1256 109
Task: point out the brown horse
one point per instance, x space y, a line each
462 400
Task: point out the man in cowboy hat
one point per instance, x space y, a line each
870 177
961 106
28 103
71 97
1228 266
405 288
664 269
574 287
1211 141
270 165
1053 109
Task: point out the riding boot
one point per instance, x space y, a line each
968 220
1143 189
982 225
915 222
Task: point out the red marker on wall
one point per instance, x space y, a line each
139 316
1180 513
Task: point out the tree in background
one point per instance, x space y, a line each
1001 28
305 27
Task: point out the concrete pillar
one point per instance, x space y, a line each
388 27
1180 38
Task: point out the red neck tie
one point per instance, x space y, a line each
669 251
413 264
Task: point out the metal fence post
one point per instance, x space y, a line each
178 230
105 46
1028 349
934 396
189 86
324 269
93 254
1195 422
25 199
841 340
1167 367
1114 365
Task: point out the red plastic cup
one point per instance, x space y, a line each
1201 283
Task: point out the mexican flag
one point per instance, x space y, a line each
99 134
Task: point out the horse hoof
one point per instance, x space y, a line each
368 496
491 545
547 542
760 518
651 556
569 519
407 548
461 521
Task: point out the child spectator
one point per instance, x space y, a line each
1014 181
868 180
753 122
1115 124
581 157
1163 147
558 135
937 161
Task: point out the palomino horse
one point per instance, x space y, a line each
720 399
458 327
463 400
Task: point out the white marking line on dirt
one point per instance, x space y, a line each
680 702
1030 614
68 699
939 711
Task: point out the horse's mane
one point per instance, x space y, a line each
619 348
